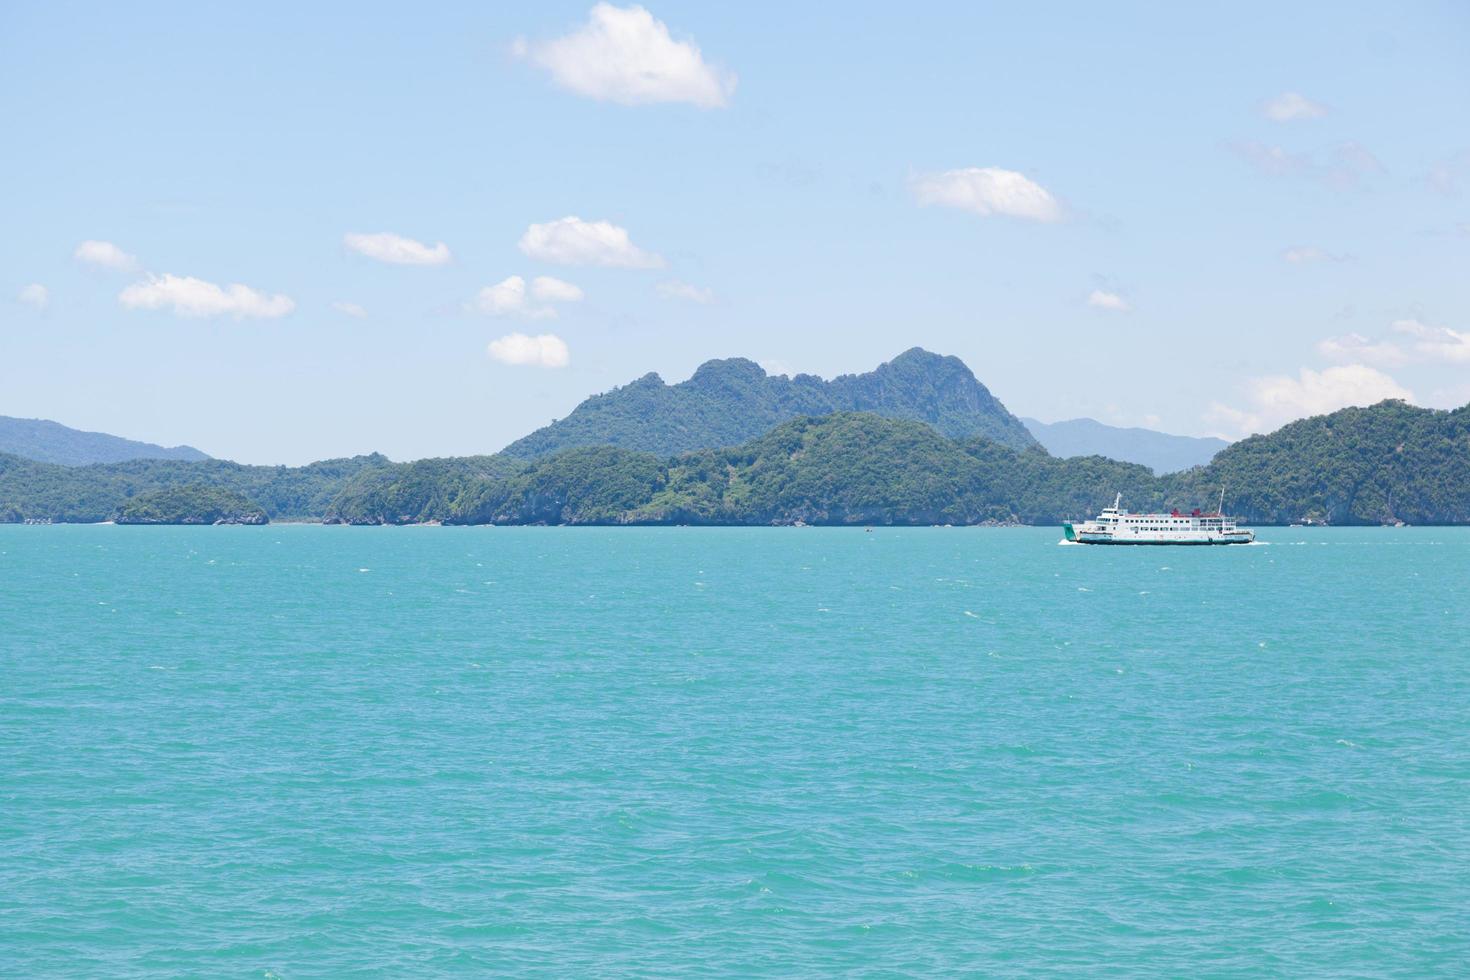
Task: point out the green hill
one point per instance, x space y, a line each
192 504
89 494
52 442
1356 466
728 402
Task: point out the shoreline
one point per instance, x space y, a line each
793 526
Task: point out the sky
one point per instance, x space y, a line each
281 234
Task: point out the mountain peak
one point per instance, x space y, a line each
51 442
731 400
726 370
920 356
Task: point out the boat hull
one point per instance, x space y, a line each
1173 544
1134 540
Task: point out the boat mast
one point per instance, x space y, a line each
1221 511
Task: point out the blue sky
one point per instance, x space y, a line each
1206 221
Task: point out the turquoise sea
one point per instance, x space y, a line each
300 751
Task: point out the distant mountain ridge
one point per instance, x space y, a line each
1385 464
1160 451
730 401
51 442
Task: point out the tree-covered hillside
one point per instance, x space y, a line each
88 494
858 468
1357 466
415 493
191 504
51 442
728 402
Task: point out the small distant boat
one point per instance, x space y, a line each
1117 526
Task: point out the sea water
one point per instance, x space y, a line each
299 751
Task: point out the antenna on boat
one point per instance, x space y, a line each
1221 511
1118 500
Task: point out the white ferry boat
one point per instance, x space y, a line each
1116 526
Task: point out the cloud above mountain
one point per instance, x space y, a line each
105 255
36 296
519 350
987 191
688 292
1424 343
1341 166
1278 399
1434 342
190 297
385 246
1103 300
1356 347
572 241
627 56
512 297
1292 106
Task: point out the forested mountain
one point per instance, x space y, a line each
727 402
417 492
88 494
52 442
1391 462
1356 466
191 504
1161 452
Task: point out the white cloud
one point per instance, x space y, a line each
626 55
546 350
1289 106
349 309
188 296
1436 343
1356 347
508 298
1304 254
511 297
572 241
1279 399
1341 167
1108 301
986 191
388 247
105 254
35 295
555 290
675 289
